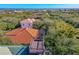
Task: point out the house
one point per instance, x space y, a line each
28 36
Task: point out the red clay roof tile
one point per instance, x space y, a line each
22 36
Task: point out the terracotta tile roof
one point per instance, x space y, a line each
22 36
14 32
33 32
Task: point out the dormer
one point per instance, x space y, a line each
27 23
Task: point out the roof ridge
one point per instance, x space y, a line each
21 31
26 31
13 30
30 34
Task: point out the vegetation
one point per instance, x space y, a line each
62 32
5 41
62 28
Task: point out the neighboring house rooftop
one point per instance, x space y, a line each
19 50
5 51
22 36
14 50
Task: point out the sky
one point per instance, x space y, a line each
39 5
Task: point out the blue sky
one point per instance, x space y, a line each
39 5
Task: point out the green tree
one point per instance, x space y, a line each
5 41
61 39
3 25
